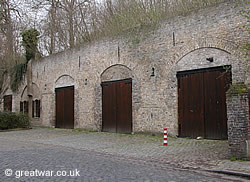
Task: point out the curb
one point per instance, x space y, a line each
240 174
15 129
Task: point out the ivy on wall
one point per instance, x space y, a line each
1 80
30 40
17 75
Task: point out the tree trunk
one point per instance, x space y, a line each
71 23
52 27
9 35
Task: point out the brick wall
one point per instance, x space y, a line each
212 32
238 119
248 123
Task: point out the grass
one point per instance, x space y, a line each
237 159
80 130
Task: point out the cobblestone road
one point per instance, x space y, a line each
99 156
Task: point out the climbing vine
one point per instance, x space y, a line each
17 74
30 41
1 80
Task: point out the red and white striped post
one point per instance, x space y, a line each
165 141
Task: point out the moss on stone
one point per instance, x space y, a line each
237 89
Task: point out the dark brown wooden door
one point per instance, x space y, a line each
65 107
215 105
124 107
191 110
117 106
109 107
7 103
202 103
60 108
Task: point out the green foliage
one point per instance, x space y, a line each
233 159
247 46
10 120
237 159
30 40
1 80
238 88
17 75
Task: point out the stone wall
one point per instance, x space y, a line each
179 43
238 120
248 126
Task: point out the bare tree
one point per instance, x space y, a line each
6 31
65 23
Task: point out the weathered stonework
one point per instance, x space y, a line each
238 120
216 32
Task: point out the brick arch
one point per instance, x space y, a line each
35 92
116 72
210 42
64 80
200 49
177 53
129 64
197 59
236 55
114 65
136 96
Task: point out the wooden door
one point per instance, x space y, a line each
191 110
117 106
7 103
59 108
215 105
202 103
109 107
65 107
124 107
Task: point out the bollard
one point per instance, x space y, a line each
165 141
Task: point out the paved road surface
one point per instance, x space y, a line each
21 153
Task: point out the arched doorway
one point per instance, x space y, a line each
203 79
117 99
65 102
